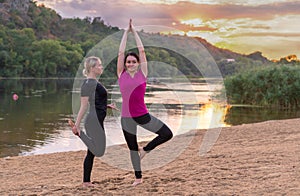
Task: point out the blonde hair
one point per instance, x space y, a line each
89 63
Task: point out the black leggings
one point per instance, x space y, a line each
94 139
87 166
149 122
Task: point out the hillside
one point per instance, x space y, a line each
40 30
220 53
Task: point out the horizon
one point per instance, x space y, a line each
270 27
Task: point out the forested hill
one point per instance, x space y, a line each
38 42
35 41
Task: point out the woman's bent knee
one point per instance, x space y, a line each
99 152
165 132
169 135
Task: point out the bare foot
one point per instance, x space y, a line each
88 184
137 182
142 152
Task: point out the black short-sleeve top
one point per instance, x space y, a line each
96 92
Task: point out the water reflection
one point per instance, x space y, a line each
180 119
35 116
241 114
36 122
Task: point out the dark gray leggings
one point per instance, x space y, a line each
149 122
94 139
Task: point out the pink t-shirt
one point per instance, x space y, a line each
133 92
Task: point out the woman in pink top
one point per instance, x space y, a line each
132 73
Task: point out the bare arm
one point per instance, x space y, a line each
142 54
121 55
84 101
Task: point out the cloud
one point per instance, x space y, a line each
264 34
238 21
116 12
216 2
229 11
271 47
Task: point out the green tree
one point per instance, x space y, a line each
271 86
47 54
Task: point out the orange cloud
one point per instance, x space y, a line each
242 26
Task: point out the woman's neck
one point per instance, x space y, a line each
132 73
91 76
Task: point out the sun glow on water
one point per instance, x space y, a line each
213 115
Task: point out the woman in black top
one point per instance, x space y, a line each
94 94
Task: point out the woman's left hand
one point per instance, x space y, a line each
113 106
131 27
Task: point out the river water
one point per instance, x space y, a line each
36 123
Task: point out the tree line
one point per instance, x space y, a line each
272 86
42 44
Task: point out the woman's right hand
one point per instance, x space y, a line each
76 130
130 24
130 27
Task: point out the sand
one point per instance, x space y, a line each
250 159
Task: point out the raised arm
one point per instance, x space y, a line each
142 54
121 55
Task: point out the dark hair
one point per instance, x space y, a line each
131 54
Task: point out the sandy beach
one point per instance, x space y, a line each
250 159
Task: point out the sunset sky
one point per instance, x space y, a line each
243 26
